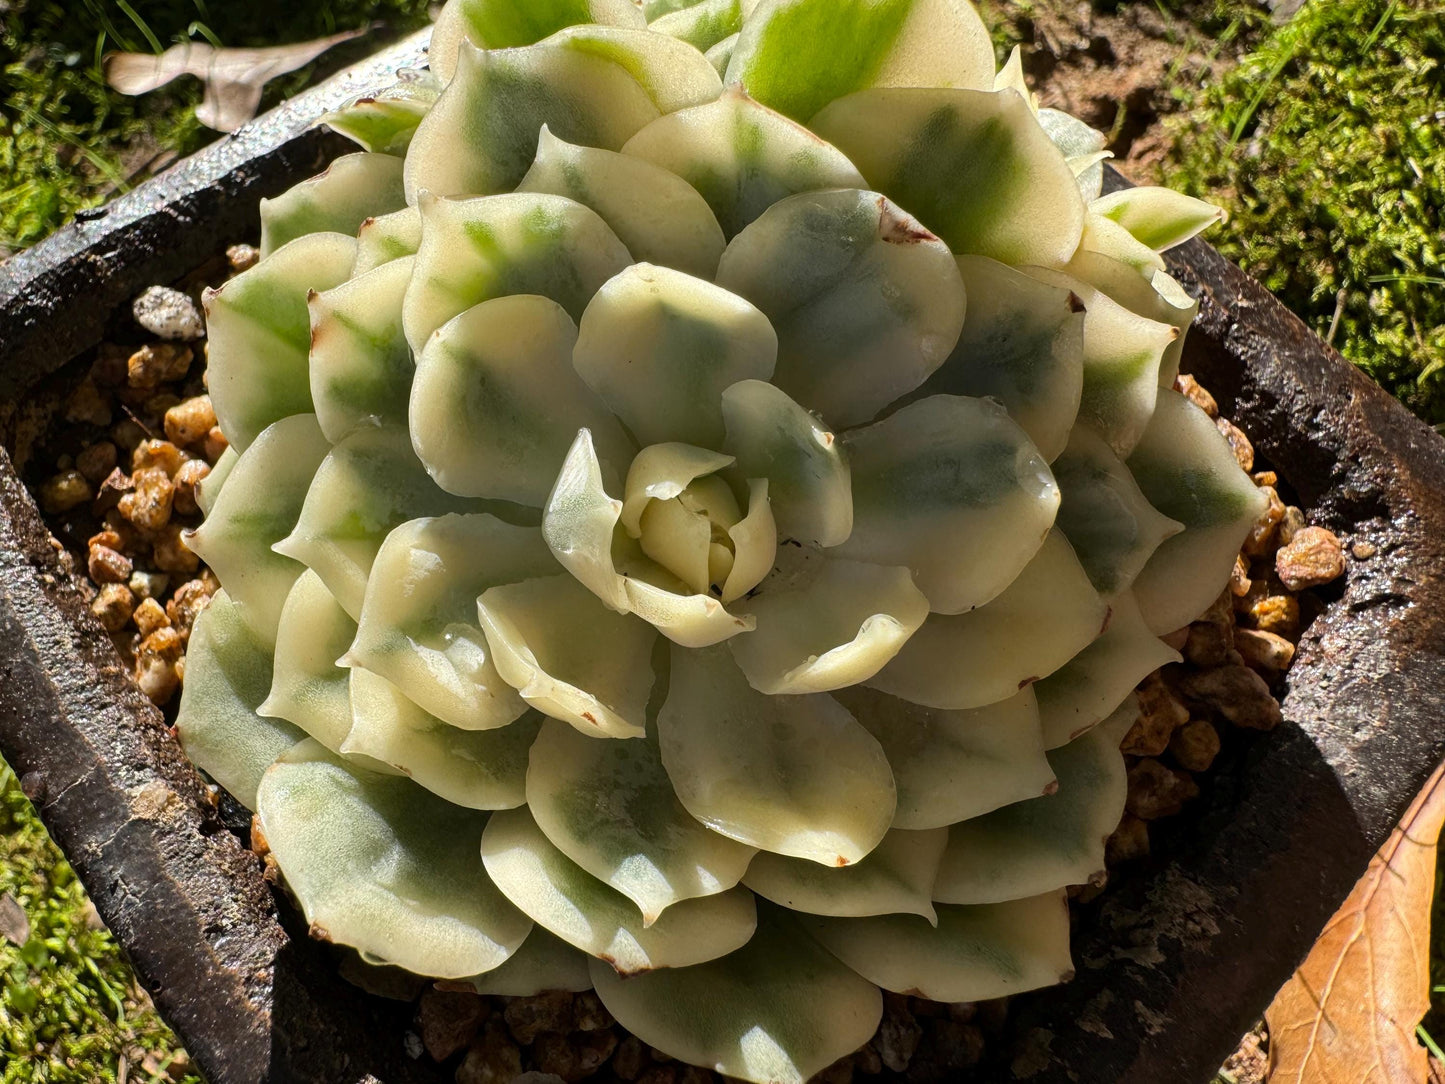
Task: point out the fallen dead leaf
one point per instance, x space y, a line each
233 78
14 925
1348 1015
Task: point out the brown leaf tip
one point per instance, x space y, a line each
897 228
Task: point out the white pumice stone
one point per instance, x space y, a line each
169 314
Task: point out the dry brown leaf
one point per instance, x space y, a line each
14 925
233 78
1348 1015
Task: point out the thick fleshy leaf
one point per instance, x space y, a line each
1044 843
260 334
562 897
1173 305
259 506
1022 344
307 687
1156 297
1158 217
387 237
755 543
580 525
796 56
687 519
609 806
797 775
742 156
677 549
369 483
496 402
1089 172
656 214
674 74
569 656
386 867
866 302
895 878
386 122
691 620
418 625
479 769
505 24
544 962
1105 237
353 188
1078 696
209 487
1105 517
593 85
660 346
721 54
772 437
656 9
448 34
952 765
1011 77
776 1011
680 540
481 136
1082 146
1123 352
661 472
473 250
1044 618
973 954
973 165
228 674
703 25
826 623
361 366
936 485
1186 469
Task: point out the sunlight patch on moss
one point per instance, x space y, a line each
70 1008
1327 143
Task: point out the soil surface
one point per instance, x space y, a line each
1122 68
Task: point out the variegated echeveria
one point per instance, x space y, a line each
705 482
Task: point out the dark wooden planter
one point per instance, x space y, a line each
1175 962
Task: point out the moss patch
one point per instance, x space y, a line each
68 141
1326 144
70 1008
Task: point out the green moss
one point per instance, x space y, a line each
69 1006
1326 146
68 141
1003 19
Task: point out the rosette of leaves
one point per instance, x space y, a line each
705 481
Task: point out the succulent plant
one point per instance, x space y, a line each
704 483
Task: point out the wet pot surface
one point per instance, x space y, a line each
1174 962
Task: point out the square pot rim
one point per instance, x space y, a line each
1178 960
